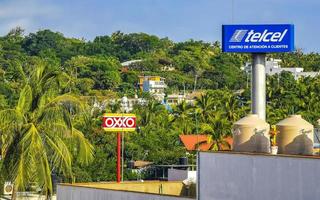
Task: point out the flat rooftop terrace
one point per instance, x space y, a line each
164 189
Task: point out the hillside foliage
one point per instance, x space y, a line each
49 84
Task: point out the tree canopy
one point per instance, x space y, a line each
51 86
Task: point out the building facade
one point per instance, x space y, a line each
273 67
155 85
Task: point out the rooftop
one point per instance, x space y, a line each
129 62
167 188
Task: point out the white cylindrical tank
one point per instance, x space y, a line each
251 134
295 136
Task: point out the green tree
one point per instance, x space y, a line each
226 72
205 105
38 136
104 71
183 114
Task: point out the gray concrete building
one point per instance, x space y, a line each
249 176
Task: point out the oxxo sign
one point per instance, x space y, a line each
258 38
118 122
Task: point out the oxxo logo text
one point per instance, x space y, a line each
116 122
242 35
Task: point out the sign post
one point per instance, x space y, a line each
112 122
258 40
258 85
118 157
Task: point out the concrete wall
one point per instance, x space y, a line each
228 176
177 174
68 192
180 175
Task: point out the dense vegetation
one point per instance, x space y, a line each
49 83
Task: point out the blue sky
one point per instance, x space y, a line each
177 19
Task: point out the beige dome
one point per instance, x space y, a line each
295 121
251 134
295 136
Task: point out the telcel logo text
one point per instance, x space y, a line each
253 36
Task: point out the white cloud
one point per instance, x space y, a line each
25 13
22 22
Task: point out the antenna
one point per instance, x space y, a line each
232 11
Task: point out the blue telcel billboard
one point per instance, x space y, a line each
265 38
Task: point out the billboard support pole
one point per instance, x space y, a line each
122 156
258 85
118 157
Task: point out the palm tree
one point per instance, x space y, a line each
38 136
218 127
205 105
233 108
149 112
183 117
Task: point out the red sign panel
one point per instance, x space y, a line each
118 122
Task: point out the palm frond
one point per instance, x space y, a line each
206 128
20 172
20 71
9 116
62 157
25 99
44 173
7 133
55 117
59 129
66 100
85 154
33 161
38 72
